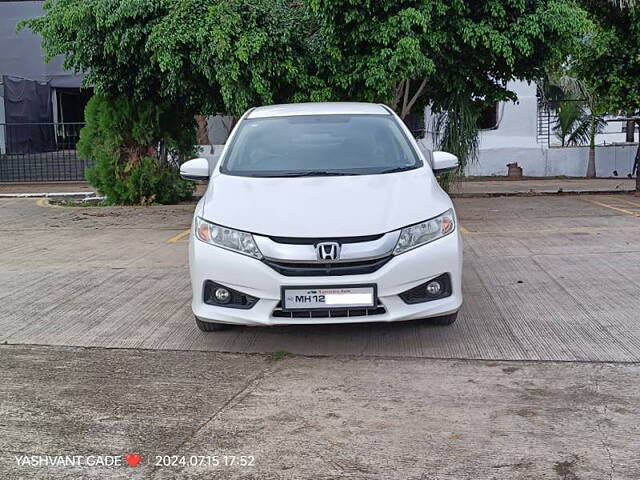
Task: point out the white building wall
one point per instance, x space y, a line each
555 161
516 121
515 140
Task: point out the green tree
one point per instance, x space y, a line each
456 56
412 53
243 52
181 59
107 40
224 56
609 60
122 140
153 125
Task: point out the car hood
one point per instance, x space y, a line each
342 206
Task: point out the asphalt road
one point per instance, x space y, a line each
538 379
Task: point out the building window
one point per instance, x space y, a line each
70 104
488 119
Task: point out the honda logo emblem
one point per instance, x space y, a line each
328 251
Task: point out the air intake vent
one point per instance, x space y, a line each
333 313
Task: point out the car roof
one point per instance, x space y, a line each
327 108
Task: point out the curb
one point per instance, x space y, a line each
47 194
538 194
452 195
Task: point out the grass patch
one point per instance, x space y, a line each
280 354
76 203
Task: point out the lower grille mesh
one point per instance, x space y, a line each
332 313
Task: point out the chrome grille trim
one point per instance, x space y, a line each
306 253
311 269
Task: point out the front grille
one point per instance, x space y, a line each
314 241
291 269
333 313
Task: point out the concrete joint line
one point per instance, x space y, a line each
235 399
604 439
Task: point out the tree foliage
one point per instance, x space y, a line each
455 56
223 56
192 57
122 140
609 58
107 41
243 52
430 51
133 126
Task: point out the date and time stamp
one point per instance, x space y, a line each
136 460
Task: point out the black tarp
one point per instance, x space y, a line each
28 115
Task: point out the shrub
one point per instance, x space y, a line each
135 158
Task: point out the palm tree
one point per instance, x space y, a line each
569 127
580 115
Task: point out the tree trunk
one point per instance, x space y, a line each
631 130
591 166
203 133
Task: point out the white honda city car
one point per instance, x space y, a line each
323 213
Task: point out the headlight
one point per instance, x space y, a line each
425 232
224 237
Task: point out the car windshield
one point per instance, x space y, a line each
319 145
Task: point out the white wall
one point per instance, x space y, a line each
516 121
515 140
555 161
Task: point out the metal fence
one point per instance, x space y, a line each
40 152
548 119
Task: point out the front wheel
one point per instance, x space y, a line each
443 320
210 326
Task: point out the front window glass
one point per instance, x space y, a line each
319 145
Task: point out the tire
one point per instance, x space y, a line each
210 326
443 320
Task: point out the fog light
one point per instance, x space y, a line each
434 288
222 295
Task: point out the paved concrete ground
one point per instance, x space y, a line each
317 418
500 185
546 278
40 187
467 187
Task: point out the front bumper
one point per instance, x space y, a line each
253 277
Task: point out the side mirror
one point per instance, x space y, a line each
196 169
444 162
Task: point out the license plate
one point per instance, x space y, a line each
296 298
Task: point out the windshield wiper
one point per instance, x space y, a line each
313 173
398 169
